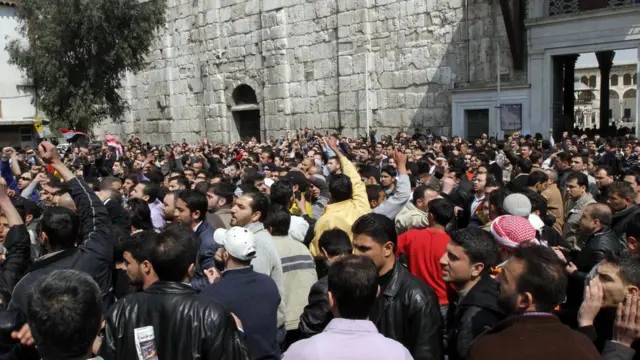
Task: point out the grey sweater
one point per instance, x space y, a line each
268 262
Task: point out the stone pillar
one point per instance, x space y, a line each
557 96
569 91
605 61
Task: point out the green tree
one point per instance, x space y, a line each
77 51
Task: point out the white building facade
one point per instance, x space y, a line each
17 105
558 30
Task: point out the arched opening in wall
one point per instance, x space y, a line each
592 81
246 113
584 80
614 105
629 105
614 80
635 79
626 79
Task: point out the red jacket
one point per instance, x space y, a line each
424 248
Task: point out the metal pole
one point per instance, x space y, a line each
499 105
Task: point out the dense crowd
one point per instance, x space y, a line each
312 246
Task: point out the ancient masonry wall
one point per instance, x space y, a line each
307 62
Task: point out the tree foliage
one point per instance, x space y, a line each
77 51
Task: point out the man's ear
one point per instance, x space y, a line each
632 244
28 218
44 239
195 215
476 269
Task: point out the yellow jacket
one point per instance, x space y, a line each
343 214
293 210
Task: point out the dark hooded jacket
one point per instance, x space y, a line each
474 314
620 219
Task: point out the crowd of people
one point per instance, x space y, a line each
312 246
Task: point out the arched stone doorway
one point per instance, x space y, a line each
246 112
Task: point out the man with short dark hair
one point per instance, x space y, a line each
212 332
149 192
334 244
191 210
65 315
577 191
425 247
406 310
414 213
353 288
250 211
220 199
466 264
348 200
532 283
178 183
60 229
297 265
604 179
622 204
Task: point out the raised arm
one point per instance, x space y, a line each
91 211
359 189
392 206
17 246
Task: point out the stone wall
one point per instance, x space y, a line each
308 63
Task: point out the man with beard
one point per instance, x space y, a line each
532 283
169 207
136 264
220 201
191 209
249 211
169 308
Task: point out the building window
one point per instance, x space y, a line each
627 113
592 81
610 114
584 80
614 80
635 79
626 80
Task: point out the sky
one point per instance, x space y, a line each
621 56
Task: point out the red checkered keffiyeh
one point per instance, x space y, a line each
512 231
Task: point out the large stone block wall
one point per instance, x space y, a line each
308 63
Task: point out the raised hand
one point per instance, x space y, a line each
627 325
591 304
48 153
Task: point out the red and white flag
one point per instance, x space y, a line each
68 134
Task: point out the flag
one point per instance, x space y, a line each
68 134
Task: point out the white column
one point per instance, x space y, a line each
637 94
540 88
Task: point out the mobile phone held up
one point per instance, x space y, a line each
298 195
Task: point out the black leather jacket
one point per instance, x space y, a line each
595 248
317 314
186 325
475 313
410 314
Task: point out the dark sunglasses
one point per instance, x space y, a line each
25 178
